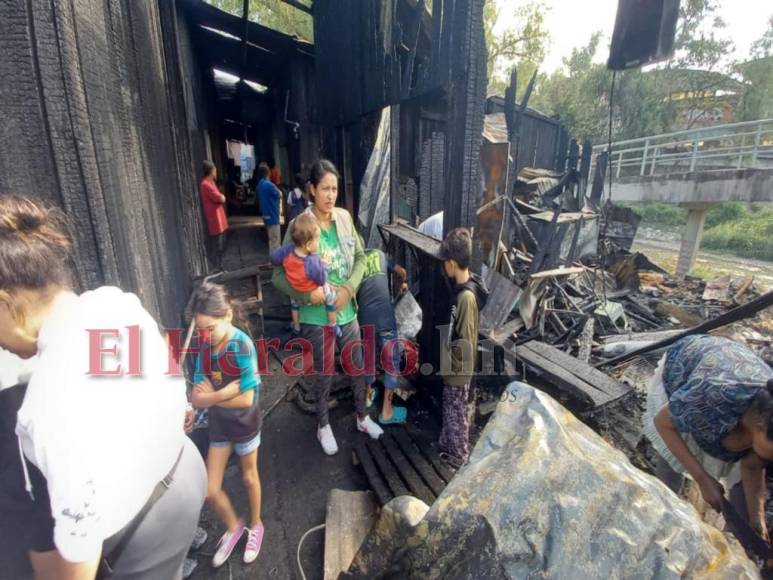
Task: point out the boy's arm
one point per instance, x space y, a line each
278 256
466 330
315 269
466 317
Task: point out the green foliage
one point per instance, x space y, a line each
273 14
524 45
579 95
751 236
695 81
722 213
663 214
758 78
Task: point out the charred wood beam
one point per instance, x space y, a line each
546 242
415 35
299 6
568 178
597 190
524 103
466 61
739 313
204 14
394 163
243 65
521 223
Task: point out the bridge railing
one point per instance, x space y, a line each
720 148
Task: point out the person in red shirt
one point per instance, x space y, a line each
213 203
275 174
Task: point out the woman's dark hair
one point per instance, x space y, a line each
319 169
300 182
35 245
206 167
213 300
762 408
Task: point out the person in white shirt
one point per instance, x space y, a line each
296 200
433 226
125 487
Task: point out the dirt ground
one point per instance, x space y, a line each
665 250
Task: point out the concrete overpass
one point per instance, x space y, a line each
694 169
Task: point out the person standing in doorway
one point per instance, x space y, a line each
296 200
213 203
269 196
275 174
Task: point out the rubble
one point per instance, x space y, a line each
566 513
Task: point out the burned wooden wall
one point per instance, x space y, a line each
95 122
543 141
377 53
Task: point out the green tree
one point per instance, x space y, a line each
273 14
645 102
757 74
522 44
700 70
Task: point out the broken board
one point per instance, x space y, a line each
592 387
502 299
350 516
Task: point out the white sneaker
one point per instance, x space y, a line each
328 441
367 425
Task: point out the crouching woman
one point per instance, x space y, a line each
709 412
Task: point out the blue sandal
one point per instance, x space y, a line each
399 415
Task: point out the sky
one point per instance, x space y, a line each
572 22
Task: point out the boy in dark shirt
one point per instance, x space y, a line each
375 309
459 351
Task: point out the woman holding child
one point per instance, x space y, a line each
340 249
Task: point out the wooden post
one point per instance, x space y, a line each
597 190
394 163
467 98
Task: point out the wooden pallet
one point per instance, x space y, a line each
399 464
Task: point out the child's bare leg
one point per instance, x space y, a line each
295 315
251 479
330 297
217 458
386 408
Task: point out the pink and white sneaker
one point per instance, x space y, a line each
226 545
254 541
